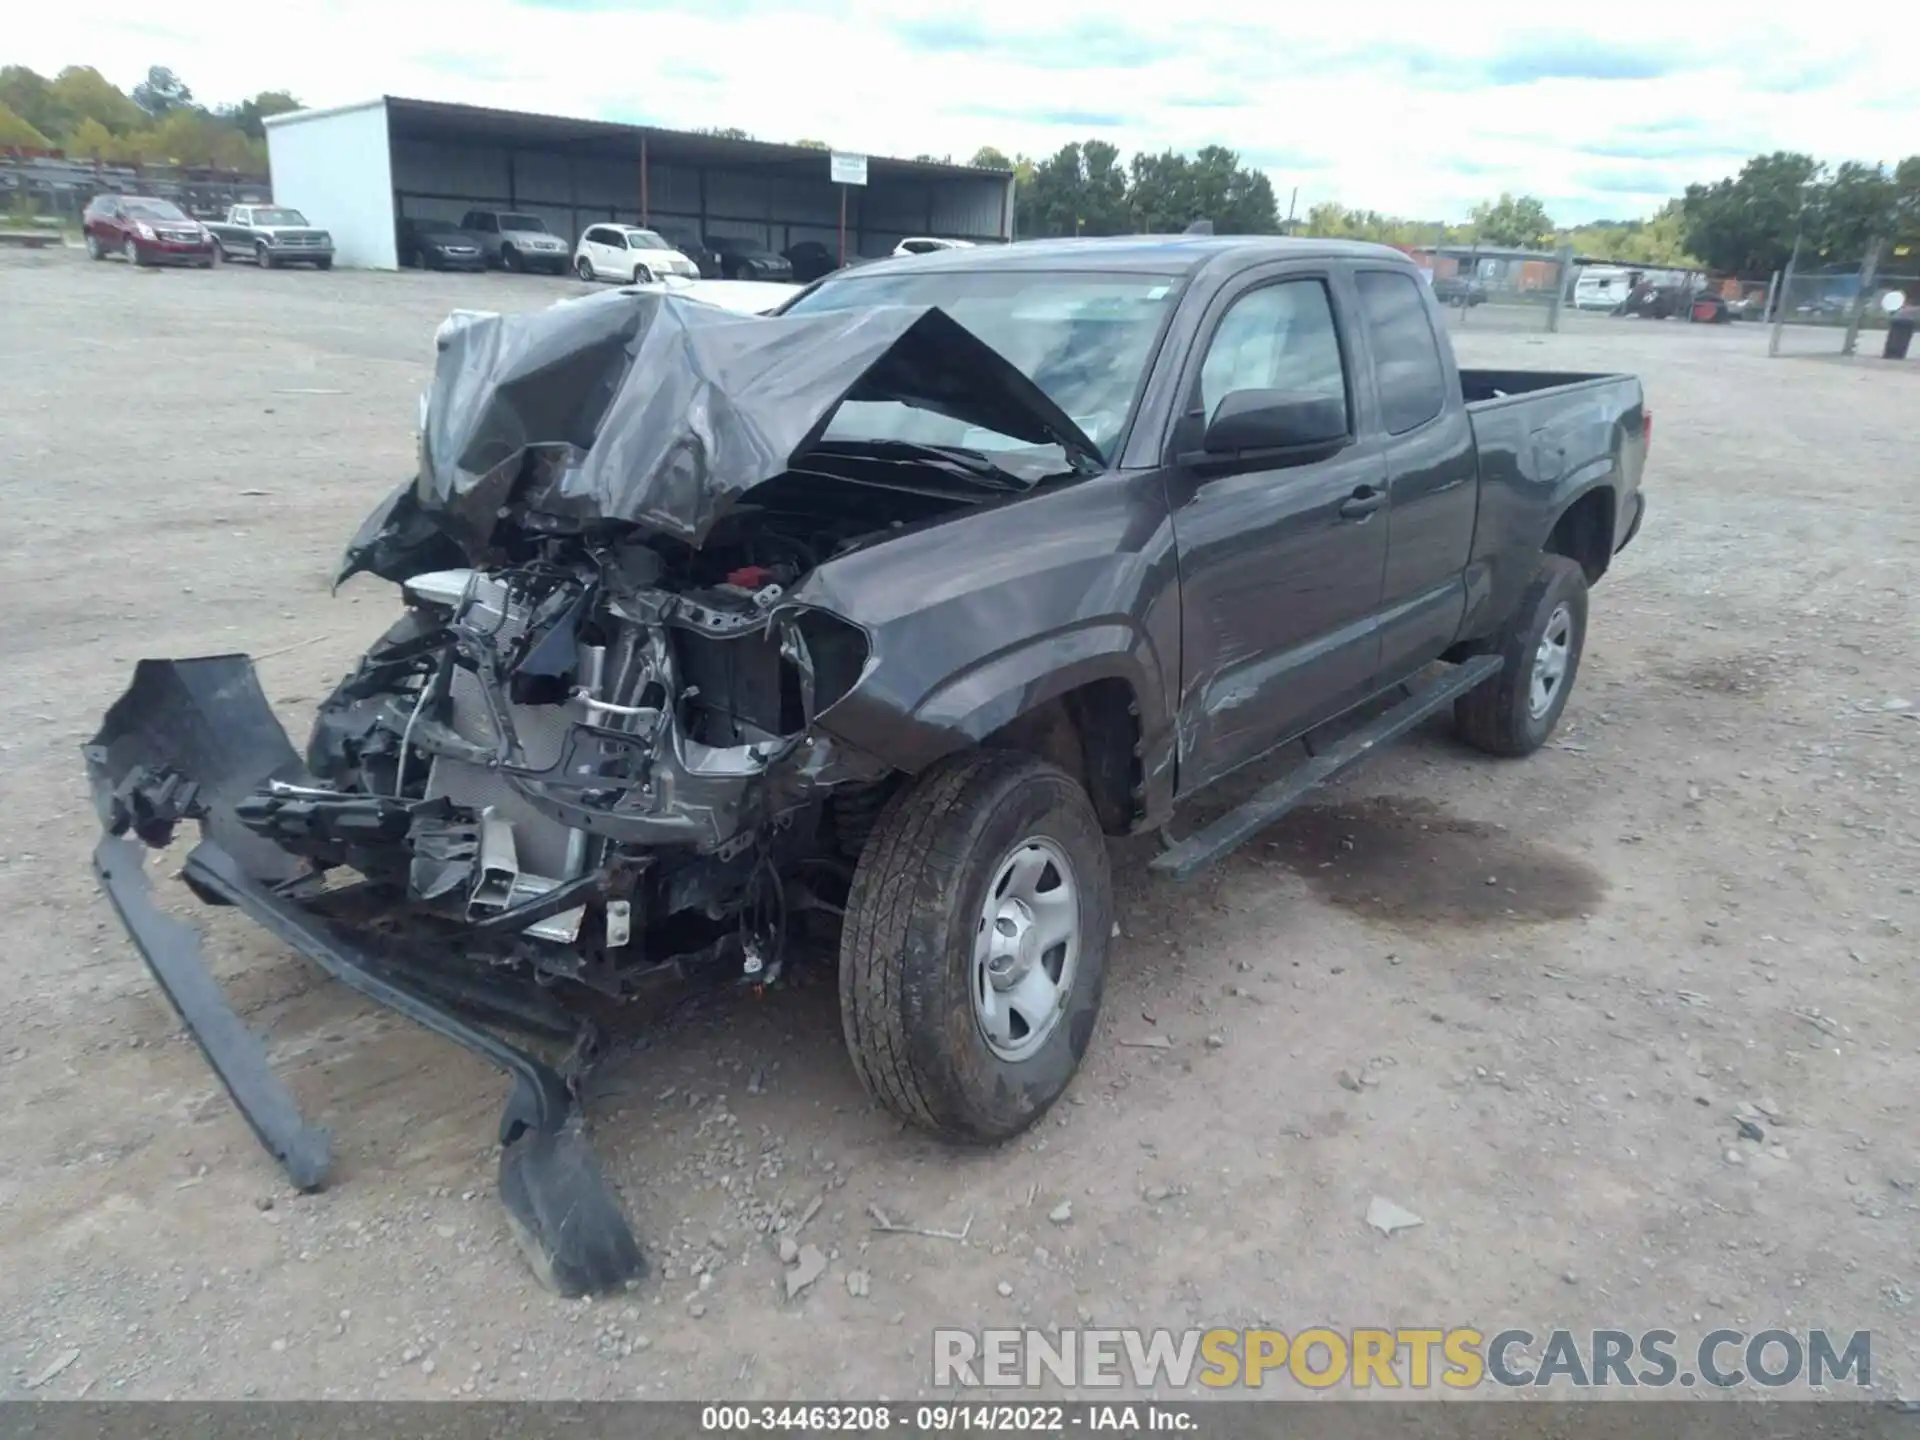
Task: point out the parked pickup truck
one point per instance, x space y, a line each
868 622
271 235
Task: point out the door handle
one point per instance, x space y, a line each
1362 503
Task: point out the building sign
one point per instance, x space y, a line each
848 169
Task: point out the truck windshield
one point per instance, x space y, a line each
276 215
523 222
1085 339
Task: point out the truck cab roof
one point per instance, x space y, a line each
1145 254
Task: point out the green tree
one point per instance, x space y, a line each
248 114
28 95
1160 193
162 92
1746 224
16 131
723 132
1239 201
988 158
813 144
1078 190
91 140
1517 221
1857 206
81 92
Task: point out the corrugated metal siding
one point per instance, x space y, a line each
443 181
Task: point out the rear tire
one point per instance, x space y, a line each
95 250
1514 712
934 923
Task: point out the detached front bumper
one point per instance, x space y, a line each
189 740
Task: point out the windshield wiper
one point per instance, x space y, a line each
954 459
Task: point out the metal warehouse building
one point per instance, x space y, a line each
356 169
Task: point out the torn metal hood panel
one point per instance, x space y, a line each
657 411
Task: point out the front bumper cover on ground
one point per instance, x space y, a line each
188 740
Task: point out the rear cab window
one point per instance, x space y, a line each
1407 370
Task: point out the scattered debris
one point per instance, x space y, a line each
813 1209
889 1227
1061 1213
1692 997
1819 1022
1216 1041
1387 1217
789 1250
1150 1042
859 1284
1347 1081
1005 1290
808 1266
59 1365
289 649
1751 1131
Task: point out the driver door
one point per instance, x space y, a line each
1282 557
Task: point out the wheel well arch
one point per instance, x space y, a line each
1092 731
1584 531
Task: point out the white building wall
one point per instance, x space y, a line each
333 166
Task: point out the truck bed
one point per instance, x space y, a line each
1484 389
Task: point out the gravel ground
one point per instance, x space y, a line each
1529 1002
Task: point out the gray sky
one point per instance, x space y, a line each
1413 109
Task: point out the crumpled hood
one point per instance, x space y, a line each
655 410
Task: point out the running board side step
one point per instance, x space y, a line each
1232 830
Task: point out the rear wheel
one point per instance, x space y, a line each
975 946
95 250
1514 712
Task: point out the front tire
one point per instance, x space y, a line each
975 946
326 264
509 258
263 257
1514 712
131 249
642 275
583 267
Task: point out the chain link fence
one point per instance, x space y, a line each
1824 308
1489 288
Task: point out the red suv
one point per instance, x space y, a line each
146 231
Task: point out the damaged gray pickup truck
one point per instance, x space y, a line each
878 614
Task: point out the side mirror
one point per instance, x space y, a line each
1274 420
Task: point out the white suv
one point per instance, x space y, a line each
628 254
927 244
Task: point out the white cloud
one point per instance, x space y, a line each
1389 107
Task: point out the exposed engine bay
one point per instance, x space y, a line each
593 745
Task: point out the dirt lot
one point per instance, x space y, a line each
1526 1001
